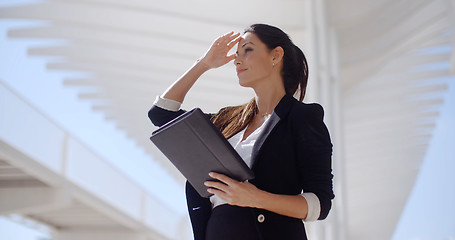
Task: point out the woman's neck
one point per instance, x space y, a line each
268 96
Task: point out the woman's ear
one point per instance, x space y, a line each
277 54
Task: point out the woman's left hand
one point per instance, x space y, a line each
243 194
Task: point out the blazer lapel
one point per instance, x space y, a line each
280 112
274 119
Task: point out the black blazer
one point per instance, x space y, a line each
293 153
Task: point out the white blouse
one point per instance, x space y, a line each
245 149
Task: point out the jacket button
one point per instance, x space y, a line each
261 218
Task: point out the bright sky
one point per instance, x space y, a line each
428 214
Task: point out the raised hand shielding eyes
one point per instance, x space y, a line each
217 55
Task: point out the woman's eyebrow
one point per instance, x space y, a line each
243 45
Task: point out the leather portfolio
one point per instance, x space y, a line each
196 147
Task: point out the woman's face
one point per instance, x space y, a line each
253 61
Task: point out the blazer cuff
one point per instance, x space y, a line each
314 207
167 104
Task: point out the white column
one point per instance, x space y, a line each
309 47
324 87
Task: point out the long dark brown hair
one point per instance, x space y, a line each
231 120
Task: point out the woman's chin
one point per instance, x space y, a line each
244 83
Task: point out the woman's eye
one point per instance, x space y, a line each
248 50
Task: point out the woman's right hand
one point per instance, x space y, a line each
217 56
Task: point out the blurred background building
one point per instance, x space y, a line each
78 77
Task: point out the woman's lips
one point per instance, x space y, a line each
240 70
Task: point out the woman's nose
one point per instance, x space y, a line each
237 61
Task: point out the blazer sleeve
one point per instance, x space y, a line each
315 156
160 116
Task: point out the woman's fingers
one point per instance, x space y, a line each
217 56
230 57
217 185
227 38
234 41
228 35
224 183
232 37
223 38
223 178
232 191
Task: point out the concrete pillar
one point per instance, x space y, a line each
324 87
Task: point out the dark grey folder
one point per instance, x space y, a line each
196 147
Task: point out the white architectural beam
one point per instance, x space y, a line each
115 17
116 70
116 73
32 200
452 57
201 11
368 33
223 90
122 202
115 56
355 69
98 234
93 35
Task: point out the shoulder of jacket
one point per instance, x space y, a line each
308 111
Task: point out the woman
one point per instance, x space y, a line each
283 141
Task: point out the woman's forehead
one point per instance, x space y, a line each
248 38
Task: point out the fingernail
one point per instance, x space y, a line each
210 174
